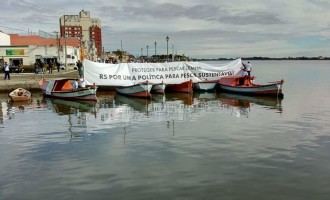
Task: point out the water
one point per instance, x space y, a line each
180 146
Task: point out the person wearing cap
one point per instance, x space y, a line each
7 71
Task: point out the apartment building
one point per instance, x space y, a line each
87 29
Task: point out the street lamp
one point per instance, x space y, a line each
167 38
147 50
155 49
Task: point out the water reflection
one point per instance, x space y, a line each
64 107
113 110
117 108
139 104
180 106
247 101
77 115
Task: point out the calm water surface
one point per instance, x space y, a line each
177 146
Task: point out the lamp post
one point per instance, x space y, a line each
167 38
155 49
147 50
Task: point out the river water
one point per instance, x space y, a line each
177 146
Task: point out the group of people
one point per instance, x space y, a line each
7 69
39 66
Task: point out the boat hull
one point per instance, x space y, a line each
158 88
141 90
185 87
62 89
85 94
274 89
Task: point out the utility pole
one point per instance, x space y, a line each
65 50
58 45
92 46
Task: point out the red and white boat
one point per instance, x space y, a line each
244 85
205 86
138 90
185 87
158 88
63 88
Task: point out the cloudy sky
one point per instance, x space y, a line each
196 28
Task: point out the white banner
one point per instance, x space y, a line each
125 74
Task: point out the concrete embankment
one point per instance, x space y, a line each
30 81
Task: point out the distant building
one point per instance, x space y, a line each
87 29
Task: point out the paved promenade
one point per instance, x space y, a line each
30 81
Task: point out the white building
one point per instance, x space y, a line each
4 39
28 54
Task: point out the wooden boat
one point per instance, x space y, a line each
19 94
205 86
63 88
158 88
185 87
141 90
244 85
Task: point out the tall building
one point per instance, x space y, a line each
87 29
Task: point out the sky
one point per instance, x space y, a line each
196 28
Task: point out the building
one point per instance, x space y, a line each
27 49
87 29
4 39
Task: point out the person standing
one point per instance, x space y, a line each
58 66
42 67
248 68
79 66
50 66
7 71
36 67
